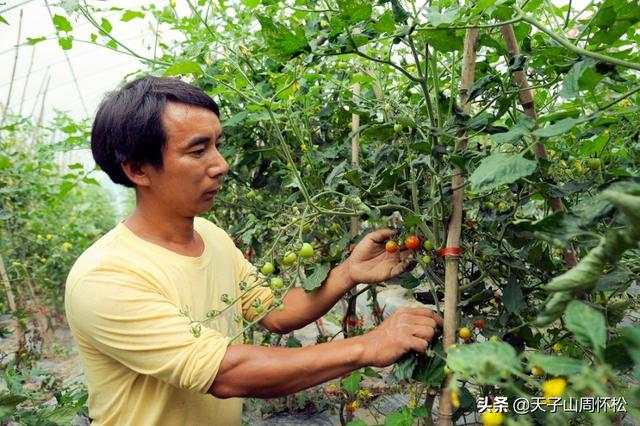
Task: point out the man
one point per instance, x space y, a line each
127 294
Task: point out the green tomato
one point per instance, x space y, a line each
594 163
259 198
306 250
267 268
289 258
251 195
276 283
397 128
427 245
426 258
489 205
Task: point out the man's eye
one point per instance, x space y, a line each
198 153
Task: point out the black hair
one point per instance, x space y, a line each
128 124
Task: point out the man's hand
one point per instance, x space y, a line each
370 262
404 330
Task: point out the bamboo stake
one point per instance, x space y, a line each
455 227
351 318
26 81
7 286
36 129
13 70
526 101
350 311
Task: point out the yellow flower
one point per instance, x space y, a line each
577 165
303 147
43 260
455 398
49 236
67 245
492 418
553 388
556 347
364 394
332 387
412 403
502 205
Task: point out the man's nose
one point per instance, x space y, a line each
218 165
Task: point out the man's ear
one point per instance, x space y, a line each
136 172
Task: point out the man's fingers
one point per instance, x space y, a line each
382 235
424 312
419 345
425 333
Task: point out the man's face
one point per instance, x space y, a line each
192 167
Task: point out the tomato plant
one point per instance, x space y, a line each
547 178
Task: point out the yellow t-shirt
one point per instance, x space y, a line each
143 365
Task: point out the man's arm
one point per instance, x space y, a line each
264 372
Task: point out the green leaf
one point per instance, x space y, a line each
571 83
385 23
351 384
444 40
430 370
35 40
500 169
251 4
632 342
62 24
357 422
184 67
512 296
106 25
523 127
555 129
403 367
614 279
436 18
90 181
4 21
487 361
65 42
281 41
587 324
399 419
292 342
556 365
128 15
8 403
316 279
354 11
370 372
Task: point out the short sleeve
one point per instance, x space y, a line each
248 274
127 319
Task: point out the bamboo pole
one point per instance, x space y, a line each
26 81
526 101
445 409
38 124
350 319
13 70
7 286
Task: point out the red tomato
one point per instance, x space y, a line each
391 246
412 242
